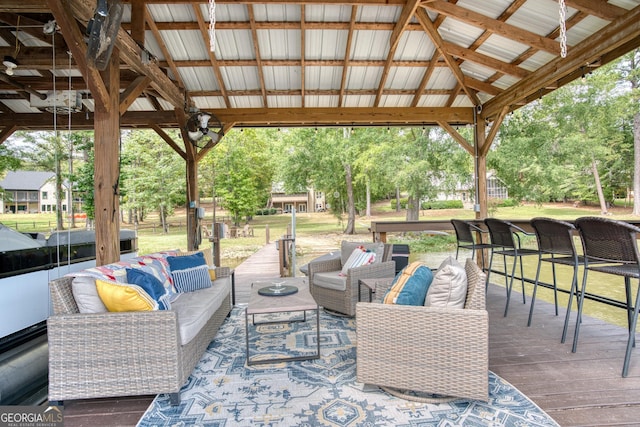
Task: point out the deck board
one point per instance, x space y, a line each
576 389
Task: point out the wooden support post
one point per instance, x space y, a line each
481 170
107 166
192 199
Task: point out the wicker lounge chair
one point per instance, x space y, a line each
441 351
344 300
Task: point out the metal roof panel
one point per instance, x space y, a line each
185 45
284 101
246 101
404 77
396 100
234 45
320 101
198 78
414 46
276 12
325 44
378 14
327 13
359 100
370 45
363 78
279 44
322 78
281 78
240 78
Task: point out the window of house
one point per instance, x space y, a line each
45 195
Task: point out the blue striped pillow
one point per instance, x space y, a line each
191 279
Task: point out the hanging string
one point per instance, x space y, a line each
70 147
563 28
212 25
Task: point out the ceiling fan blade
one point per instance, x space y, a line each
195 135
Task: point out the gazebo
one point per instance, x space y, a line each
208 66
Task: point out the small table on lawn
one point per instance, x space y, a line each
299 301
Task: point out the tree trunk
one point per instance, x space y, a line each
413 208
596 177
636 162
351 208
397 199
59 219
163 219
368 199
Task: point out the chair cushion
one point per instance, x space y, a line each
151 285
86 295
346 249
191 279
194 309
449 286
410 285
124 297
359 257
330 280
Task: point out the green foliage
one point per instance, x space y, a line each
266 211
241 170
442 204
403 203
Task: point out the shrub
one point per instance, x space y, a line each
266 211
442 204
403 203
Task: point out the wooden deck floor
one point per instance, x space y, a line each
576 389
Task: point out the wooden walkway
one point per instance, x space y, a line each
576 389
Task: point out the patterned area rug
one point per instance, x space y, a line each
223 391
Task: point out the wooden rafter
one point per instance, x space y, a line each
433 34
254 37
170 63
213 61
75 41
621 31
347 56
132 92
493 25
303 34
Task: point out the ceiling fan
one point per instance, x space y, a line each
102 31
202 124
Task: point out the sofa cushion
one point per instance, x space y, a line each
191 279
212 273
449 286
151 285
194 309
330 280
359 257
410 285
86 295
346 249
124 297
186 261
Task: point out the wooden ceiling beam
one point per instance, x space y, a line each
601 9
302 54
494 26
78 48
213 60
484 60
266 117
435 37
281 25
130 53
170 63
132 92
620 32
256 53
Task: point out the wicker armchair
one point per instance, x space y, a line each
344 300
440 351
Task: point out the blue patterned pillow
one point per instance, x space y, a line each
410 285
187 261
191 279
151 285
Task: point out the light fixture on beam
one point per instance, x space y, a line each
10 63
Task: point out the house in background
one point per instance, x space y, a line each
496 189
31 192
311 201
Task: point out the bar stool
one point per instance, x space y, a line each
555 241
615 243
465 239
505 241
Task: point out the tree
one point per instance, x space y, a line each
151 175
243 169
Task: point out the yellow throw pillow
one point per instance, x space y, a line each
212 274
124 297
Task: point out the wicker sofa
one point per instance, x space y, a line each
442 351
131 353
